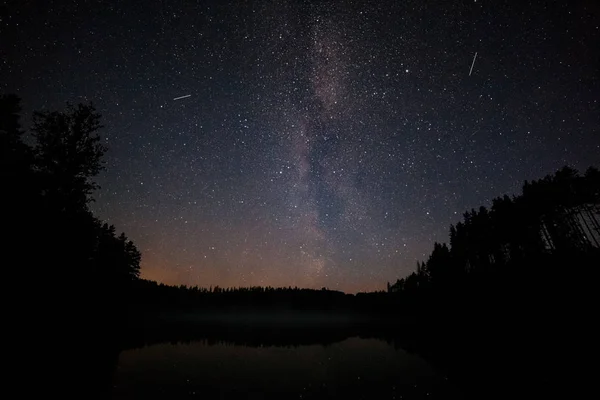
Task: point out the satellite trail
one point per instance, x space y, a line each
182 97
473 64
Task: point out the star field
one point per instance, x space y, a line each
322 143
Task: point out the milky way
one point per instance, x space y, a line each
308 143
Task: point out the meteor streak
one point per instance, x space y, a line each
473 64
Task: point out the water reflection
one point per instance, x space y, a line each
352 368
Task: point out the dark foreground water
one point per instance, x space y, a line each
352 368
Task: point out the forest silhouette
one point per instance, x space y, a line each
73 259
556 216
519 275
537 247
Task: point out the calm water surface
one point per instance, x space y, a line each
353 368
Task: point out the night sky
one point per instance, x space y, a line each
321 143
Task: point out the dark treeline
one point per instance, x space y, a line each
74 259
536 242
78 271
556 216
521 245
514 280
152 295
69 276
513 295
541 244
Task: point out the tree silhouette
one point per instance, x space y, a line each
16 157
515 280
68 154
555 217
116 259
72 259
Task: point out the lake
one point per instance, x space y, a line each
351 368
